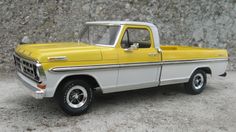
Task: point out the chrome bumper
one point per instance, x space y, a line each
32 86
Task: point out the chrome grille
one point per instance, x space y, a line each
26 67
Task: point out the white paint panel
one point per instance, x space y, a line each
181 72
106 78
130 78
136 75
218 67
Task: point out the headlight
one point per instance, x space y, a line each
40 72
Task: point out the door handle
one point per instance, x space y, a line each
152 54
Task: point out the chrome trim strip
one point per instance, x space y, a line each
57 58
140 64
76 68
118 36
192 61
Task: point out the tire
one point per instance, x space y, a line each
196 83
75 97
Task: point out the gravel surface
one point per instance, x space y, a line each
166 108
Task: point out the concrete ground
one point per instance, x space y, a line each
166 108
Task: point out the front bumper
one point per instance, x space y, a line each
32 86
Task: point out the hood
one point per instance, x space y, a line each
72 52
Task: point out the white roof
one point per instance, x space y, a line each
120 23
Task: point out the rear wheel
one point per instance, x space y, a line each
75 97
197 82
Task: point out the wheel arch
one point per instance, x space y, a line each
206 69
88 78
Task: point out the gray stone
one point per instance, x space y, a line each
185 22
198 34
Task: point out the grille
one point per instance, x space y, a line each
26 67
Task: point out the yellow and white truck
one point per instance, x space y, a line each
112 56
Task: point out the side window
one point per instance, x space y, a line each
136 36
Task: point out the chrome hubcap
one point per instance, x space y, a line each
198 81
76 96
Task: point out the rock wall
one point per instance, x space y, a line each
186 22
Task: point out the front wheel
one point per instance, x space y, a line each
197 82
75 97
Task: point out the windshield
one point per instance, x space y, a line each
99 34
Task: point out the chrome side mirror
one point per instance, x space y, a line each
134 46
25 40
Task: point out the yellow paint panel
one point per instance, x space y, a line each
172 53
77 54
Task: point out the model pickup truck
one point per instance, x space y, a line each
112 56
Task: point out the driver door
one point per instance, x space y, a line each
139 60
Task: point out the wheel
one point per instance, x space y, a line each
75 97
196 83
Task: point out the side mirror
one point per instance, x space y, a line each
134 46
25 40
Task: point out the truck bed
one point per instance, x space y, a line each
174 53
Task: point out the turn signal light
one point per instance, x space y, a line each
41 86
